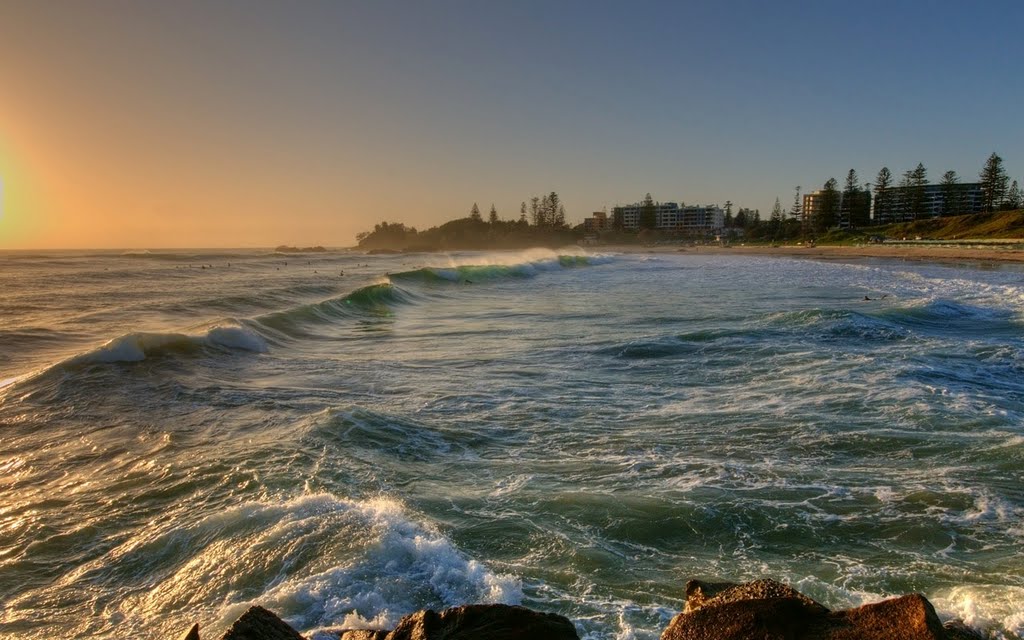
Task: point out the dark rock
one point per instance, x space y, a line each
363 634
764 619
909 617
259 624
484 621
700 594
768 610
957 630
191 634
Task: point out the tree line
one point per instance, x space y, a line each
541 221
908 199
905 199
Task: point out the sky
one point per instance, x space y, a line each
150 124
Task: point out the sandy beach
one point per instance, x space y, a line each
943 253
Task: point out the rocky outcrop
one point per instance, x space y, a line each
910 616
700 594
957 630
471 622
191 634
763 609
362 634
259 624
491 621
773 611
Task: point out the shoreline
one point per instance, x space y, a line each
832 252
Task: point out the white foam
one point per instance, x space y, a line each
507 258
536 259
998 609
988 509
317 560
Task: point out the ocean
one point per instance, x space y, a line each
345 438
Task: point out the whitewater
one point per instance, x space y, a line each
345 438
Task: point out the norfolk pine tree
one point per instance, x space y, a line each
883 196
553 203
828 217
776 220
993 183
850 192
918 182
648 213
1013 196
951 200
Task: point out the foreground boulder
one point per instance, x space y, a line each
259 624
762 610
472 622
480 621
769 610
700 594
363 634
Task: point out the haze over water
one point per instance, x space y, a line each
578 434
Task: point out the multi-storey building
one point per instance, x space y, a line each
853 210
903 204
672 217
596 223
817 204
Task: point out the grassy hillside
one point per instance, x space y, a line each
979 226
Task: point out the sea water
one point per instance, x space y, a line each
345 438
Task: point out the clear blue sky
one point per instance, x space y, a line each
314 120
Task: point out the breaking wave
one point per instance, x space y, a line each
134 347
529 265
318 560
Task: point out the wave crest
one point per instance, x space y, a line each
135 347
318 560
485 268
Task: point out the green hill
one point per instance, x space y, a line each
978 226
1000 225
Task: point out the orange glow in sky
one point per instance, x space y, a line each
118 132
165 124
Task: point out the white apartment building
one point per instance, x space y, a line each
672 217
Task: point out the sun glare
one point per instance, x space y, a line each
18 209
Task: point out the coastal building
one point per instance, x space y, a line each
839 211
597 222
903 204
670 216
819 204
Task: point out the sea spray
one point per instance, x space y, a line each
316 559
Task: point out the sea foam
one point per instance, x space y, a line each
318 560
